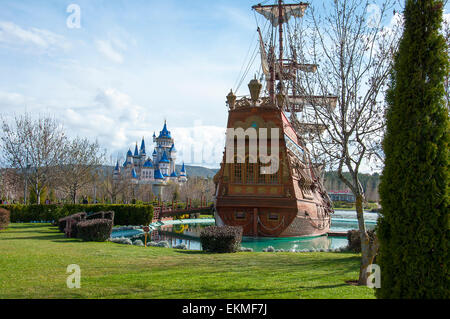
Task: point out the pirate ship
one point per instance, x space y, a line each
288 200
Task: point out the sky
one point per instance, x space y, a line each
130 66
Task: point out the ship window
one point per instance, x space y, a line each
250 173
273 216
273 178
261 177
240 215
237 167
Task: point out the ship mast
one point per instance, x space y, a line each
280 32
286 69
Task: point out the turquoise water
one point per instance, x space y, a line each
341 221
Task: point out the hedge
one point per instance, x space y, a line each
225 239
95 229
124 214
4 218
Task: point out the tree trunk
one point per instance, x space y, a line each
368 249
38 196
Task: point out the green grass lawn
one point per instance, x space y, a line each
34 258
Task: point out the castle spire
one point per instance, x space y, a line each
142 150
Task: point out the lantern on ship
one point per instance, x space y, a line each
255 89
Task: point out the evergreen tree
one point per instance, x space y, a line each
413 230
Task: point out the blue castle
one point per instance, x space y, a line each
158 169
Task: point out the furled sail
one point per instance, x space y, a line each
271 13
264 61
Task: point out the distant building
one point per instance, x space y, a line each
158 169
342 196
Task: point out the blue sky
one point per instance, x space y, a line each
130 66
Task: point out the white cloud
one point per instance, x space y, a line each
13 35
110 50
8 100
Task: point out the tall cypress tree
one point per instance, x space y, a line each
413 230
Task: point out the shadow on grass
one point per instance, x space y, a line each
194 252
54 238
324 286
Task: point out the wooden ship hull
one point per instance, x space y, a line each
289 203
291 200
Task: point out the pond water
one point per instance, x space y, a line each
341 221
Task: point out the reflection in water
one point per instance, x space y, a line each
189 235
342 221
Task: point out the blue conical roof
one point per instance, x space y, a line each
129 153
148 163
136 153
154 152
158 174
183 170
164 133
173 174
173 149
164 158
142 150
133 173
117 166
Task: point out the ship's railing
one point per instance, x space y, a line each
246 101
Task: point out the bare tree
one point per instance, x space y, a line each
197 188
115 186
34 147
11 184
354 53
81 158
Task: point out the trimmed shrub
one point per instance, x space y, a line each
354 240
124 214
101 215
4 218
94 229
226 239
69 224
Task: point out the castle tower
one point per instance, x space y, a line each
116 172
156 169
183 177
173 157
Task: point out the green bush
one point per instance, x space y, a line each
226 239
413 229
29 213
124 214
4 218
71 222
101 215
95 229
